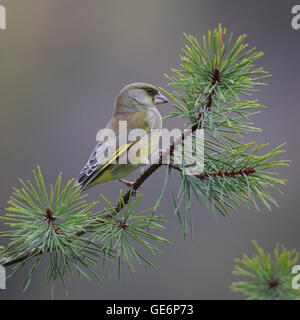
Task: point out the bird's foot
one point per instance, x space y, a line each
161 153
130 185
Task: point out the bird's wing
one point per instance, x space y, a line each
90 167
95 165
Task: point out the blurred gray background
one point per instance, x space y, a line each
62 62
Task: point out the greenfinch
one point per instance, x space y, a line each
135 106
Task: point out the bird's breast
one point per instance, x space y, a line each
154 119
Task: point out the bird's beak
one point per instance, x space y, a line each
160 98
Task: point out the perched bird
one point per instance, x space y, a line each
135 104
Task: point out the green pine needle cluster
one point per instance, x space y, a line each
267 278
44 225
212 90
214 80
123 228
60 227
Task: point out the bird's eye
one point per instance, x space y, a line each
150 90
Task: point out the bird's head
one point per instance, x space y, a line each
139 97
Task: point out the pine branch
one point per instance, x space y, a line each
125 199
208 89
216 79
95 225
219 174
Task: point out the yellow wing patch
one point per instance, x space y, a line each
119 152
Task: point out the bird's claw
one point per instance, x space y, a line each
161 152
129 184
